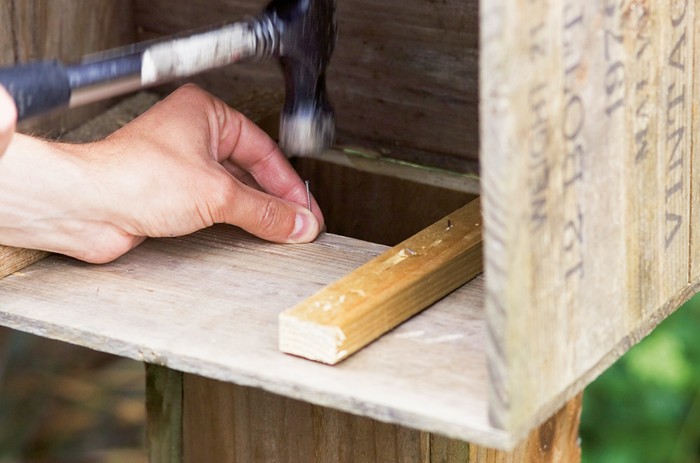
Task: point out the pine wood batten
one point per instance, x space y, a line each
15 259
350 313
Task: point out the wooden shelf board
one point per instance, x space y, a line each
208 304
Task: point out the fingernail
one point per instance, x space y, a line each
305 228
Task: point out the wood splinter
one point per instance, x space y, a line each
350 313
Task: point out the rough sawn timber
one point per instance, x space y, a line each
229 423
348 314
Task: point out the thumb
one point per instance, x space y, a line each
8 118
269 217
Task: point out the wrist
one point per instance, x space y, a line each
49 201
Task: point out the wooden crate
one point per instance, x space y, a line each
582 117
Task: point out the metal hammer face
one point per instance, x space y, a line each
307 31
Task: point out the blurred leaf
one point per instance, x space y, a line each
646 407
661 361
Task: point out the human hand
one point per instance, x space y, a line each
8 119
189 162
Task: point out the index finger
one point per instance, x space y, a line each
245 144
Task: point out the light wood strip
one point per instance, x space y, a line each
14 259
350 313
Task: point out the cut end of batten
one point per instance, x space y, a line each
311 340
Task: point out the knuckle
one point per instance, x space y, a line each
189 89
221 200
269 217
190 92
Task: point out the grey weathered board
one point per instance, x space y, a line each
587 125
208 304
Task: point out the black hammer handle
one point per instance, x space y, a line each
37 87
43 86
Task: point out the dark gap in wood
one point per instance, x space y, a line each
375 207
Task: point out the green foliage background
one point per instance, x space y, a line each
646 407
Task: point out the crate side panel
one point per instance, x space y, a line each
695 172
586 118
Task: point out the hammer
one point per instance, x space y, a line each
301 33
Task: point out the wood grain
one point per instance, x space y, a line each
348 314
373 162
586 159
228 423
164 409
15 259
403 77
215 297
694 157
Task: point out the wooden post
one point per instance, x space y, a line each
228 423
164 410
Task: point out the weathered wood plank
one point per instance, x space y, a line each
695 156
164 410
215 297
598 250
229 423
675 62
555 441
373 162
639 32
403 78
348 314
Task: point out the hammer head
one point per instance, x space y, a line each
307 33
